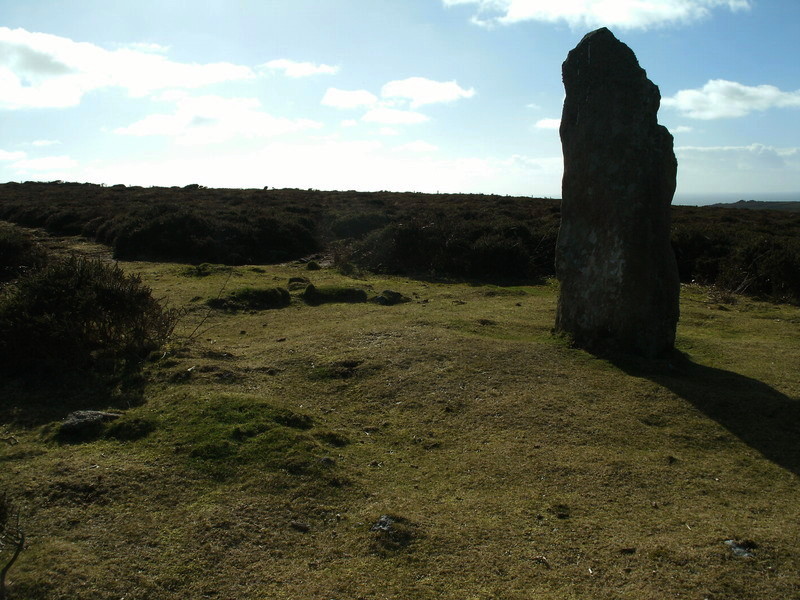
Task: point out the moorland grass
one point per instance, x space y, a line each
509 465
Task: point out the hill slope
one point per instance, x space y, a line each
447 447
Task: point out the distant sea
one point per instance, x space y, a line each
704 199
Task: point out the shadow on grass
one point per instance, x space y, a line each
30 400
759 415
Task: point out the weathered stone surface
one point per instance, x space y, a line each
619 279
390 298
84 424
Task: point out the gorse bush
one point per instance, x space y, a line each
766 267
81 313
469 248
18 253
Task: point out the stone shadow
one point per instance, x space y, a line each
758 414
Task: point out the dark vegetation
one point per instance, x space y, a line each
12 539
68 317
249 298
468 237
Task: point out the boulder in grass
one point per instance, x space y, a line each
83 425
390 298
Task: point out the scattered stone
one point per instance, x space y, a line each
85 424
300 526
392 533
297 283
618 274
743 548
390 298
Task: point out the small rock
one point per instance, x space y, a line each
393 533
85 424
300 526
742 548
390 298
298 283
384 523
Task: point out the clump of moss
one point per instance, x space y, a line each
250 298
236 432
204 270
315 296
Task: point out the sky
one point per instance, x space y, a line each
400 95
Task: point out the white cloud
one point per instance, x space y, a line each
418 146
420 91
754 156
681 129
388 131
625 14
724 99
349 123
44 143
49 163
148 47
548 124
39 70
12 155
348 99
213 119
293 68
745 169
394 116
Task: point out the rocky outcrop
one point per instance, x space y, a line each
619 280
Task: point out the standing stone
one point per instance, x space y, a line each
619 278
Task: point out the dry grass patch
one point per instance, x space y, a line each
509 465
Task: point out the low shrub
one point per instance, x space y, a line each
357 226
765 267
249 298
487 249
79 313
19 253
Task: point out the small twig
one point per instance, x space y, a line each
9 438
191 336
17 540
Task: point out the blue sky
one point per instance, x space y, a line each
405 95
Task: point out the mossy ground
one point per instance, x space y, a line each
514 466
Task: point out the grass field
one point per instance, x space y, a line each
268 445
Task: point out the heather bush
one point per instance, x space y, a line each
357 226
79 313
764 267
19 253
